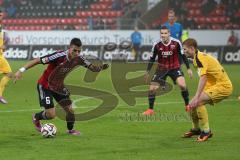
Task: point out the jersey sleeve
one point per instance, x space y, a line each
154 51
152 57
51 58
94 68
83 62
180 48
202 65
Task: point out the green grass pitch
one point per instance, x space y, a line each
116 135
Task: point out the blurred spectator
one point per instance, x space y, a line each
57 2
232 40
85 3
175 5
68 2
99 24
23 2
174 27
68 27
136 39
11 10
90 23
207 6
135 13
231 9
183 10
117 5
187 22
46 2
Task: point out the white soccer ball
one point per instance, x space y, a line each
49 130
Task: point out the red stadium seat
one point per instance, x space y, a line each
84 27
216 27
78 13
68 21
9 21
95 14
46 21
194 12
74 21
223 20
84 21
110 21
89 13
4 21
227 26
77 27
79 21
200 20
30 21
93 7
104 7
100 13
237 14
31 27
9 27
214 20
236 26
84 14
106 14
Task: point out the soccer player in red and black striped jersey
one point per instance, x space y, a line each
51 83
169 53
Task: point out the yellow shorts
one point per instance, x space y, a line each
4 65
219 92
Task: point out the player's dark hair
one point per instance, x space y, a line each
190 42
171 10
76 42
164 27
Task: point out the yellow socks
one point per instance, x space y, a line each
3 83
194 117
199 118
203 118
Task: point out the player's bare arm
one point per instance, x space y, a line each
28 65
202 82
186 62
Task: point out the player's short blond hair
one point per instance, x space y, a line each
190 42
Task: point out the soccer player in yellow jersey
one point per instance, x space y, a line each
214 86
5 68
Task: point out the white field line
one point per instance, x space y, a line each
94 106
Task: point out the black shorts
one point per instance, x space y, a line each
161 76
46 98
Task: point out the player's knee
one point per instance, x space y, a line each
70 110
152 91
183 87
51 115
153 88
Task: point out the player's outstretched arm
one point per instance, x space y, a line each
28 65
96 68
